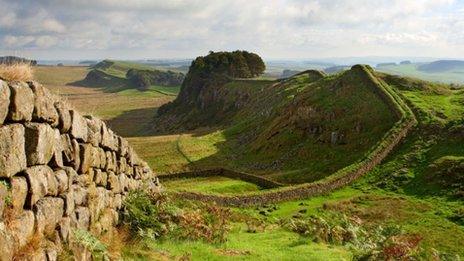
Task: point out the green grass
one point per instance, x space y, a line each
211 185
274 244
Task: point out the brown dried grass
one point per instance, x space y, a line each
16 72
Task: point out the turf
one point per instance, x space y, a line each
211 185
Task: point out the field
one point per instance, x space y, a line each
399 194
453 76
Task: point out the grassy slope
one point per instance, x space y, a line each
396 192
128 112
283 115
452 76
399 191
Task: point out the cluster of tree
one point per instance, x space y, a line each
237 64
15 60
145 78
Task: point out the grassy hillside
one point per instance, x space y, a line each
298 130
447 75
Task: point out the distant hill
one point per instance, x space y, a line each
119 75
288 73
337 68
88 62
15 59
385 64
442 66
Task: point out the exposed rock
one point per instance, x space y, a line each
40 143
21 102
44 108
101 178
78 126
64 120
19 191
4 100
38 185
12 150
22 228
110 161
48 212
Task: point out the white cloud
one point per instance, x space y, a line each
274 28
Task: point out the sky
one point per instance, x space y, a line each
275 29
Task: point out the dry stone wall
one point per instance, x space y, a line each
59 171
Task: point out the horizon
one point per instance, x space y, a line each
276 30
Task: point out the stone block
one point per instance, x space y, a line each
37 177
48 212
4 100
62 181
94 126
78 126
19 190
12 150
22 228
21 102
40 143
64 120
44 108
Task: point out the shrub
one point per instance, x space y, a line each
158 216
91 243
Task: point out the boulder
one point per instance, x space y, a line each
40 143
44 108
19 189
22 228
6 243
21 102
37 177
78 126
64 117
4 100
48 212
12 150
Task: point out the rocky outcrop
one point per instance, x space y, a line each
59 171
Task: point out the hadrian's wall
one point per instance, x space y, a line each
59 171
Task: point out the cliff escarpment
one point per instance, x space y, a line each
59 172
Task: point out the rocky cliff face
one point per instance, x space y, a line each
59 171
